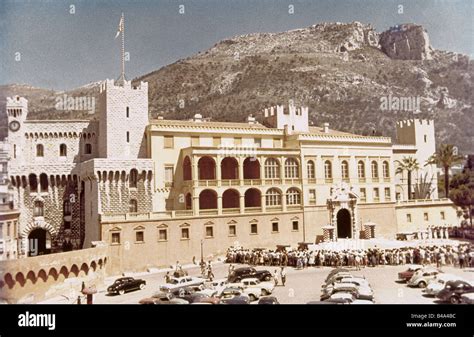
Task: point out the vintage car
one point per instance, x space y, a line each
241 299
346 298
336 271
268 300
359 292
467 298
246 272
181 282
453 290
406 275
336 278
266 288
158 298
437 284
124 284
214 288
422 277
229 293
358 281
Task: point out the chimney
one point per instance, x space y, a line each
251 120
326 128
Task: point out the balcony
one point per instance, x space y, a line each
386 179
253 210
292 181
375 179
186 212
272 181
230 210
346 180
230 182
293 207
207 183
328 180
362 180
252 182
208 212
311 180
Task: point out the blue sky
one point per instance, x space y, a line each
60 50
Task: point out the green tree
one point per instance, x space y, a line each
445 158
408 164
462 191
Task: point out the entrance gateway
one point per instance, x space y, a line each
344 224
342 207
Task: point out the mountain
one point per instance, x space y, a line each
342 71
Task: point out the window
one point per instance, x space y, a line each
62 150
376 194
38 209
39 150
375 169
312 196
295 225
327 169
272 168
116 238
14 150
1 230
128 137
291 168
253 228
133 180
216 141
88 148
33 182
163 235
258 142
363 194
66 208
232 230
443 216
345 170
133 206
273 197
274 227
127 111
361 169
385 169
44 182
425 137
387 193
237 141
139 236
293 197
169 169
209 231
185 233
67 224
425 216
168 142
195 141
408 217
311 170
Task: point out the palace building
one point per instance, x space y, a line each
157 191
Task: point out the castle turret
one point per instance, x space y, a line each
123 112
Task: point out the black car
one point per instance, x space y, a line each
238 300
453 291
124 284
247 272
268 300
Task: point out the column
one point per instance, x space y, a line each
219 204
242 203
283 201
218 170
196 205
282 169
263 202
195 170
261 160
241 171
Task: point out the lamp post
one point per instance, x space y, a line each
202 254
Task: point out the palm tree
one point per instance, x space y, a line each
445 157
408 164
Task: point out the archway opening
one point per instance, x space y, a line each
344 224
207 168
230 199
251 168
39 242
229 168
253 198
208 200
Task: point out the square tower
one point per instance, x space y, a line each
17 111
289 118
123 113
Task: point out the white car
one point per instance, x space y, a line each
214 288
438 283
266 288
422 277
350 298
359 281
180 282
253 292
363 293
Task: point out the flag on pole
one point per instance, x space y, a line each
120 27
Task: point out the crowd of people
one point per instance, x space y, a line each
461 255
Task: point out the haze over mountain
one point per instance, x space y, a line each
342 72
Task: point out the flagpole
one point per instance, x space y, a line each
123 48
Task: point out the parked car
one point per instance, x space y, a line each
158 298
338 277
242 299
266 288
358 281
181 282
246 272
467 298
406 275
268 300
437 284
334 272
453 290
124 284
229 293
252 291
422 277
205 299
214 288
359 292
346 298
